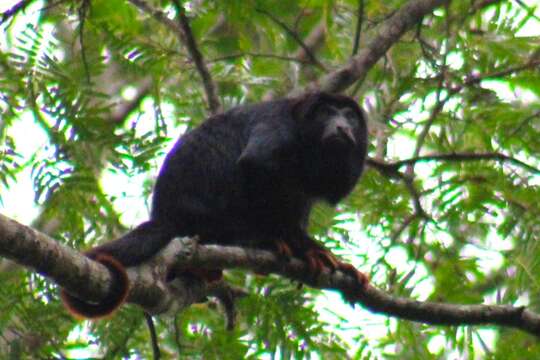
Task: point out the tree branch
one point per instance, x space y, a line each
294 35
258 55
13 11
196 56
91 280
392 169
358 31
389 33
184 34
313 42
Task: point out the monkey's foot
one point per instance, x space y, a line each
283 249
319 259
361 278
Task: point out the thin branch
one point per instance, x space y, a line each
439 106
295 36
153 336
14 10
82 13
124 109
418 209
159 16
196 56
524 122
386 169
393 172
313 42
475 79
358 31
184 34
371 298
392 168
469 81
258 55
401 228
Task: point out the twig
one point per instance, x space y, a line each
12 11
475 79
196 56
82 12
313 41
124 109
183 32
392 168
359 20
153 336
159 16
295 36
404 225
425 130
259 55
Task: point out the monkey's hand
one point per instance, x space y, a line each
319 258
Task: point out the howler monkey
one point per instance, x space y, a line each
248 176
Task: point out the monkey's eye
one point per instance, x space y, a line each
350 114
325 111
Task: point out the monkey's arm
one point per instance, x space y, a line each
268 143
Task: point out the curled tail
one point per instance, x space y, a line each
132 249
116 297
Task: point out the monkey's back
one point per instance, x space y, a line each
201 189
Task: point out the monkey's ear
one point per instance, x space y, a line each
266 144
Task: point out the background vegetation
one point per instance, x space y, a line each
94 92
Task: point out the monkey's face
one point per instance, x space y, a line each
339 126
336 127
332 133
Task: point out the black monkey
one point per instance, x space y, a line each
249 174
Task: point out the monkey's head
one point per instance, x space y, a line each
333 135
332 121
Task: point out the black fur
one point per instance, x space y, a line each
251 173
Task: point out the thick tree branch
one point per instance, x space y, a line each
91 280
33 249
389 33
88 279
